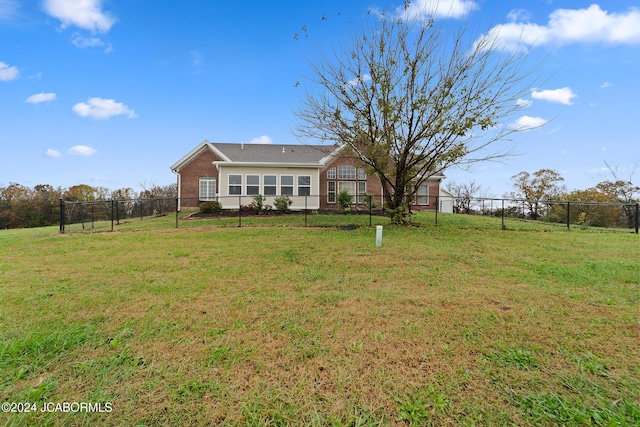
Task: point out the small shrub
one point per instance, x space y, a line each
368 201
210 207
345 200
282 203
399 215
258 203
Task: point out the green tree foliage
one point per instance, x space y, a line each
588 207
412 98
622 189
345 201
21 206
536 188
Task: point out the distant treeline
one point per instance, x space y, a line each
23 207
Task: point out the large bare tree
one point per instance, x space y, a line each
412 98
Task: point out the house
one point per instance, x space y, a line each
310 175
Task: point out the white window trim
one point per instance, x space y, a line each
246 184
418 195
360 192
330 193
264 185
298 186
293 184
229 185
210 182
347 168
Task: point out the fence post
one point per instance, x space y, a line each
62 216
568 215
503 227
177 201
637 209
239 211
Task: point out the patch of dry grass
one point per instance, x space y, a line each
306 326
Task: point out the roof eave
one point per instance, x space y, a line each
269 164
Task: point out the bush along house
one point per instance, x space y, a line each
312 176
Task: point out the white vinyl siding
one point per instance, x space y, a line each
270 181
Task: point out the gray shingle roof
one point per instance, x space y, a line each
274 153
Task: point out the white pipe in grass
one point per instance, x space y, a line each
378 236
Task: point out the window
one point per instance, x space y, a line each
331 191
235 185
253 185
346 172
362 188
350 186
349 178
422 195
270 185
286 185
304 185
362 175
207 188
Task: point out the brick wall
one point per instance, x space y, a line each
200 166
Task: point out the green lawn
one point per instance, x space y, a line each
277 324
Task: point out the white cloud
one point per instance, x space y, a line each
99 108
523 102
519 15
421 9
196 58
52 154
8 9
528 123
606 85
562 96
81 150
41 97
8 72
82 42
567 26
359 80
264 139
85 14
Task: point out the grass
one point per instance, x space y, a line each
273 324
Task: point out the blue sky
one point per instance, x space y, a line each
111 93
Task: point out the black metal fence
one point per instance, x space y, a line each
105 215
